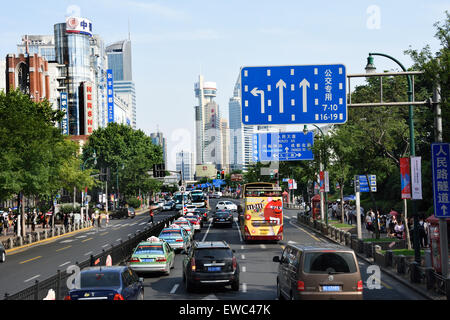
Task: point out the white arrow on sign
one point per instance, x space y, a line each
305 85
286 149
444 209
255 92
280 85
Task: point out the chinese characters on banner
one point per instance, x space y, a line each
89 110
63 108
110 94
416 178
440 160
405 176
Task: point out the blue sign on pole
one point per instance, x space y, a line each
64 108
283 146
110 94
313 94
218 182
440 155
364 186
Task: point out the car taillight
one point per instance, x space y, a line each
360 285
161 259
67 297
135 260
118 296
234 263
300 286
246 230
179 240
193 267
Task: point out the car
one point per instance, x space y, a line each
223 217
203 212
210 263
182 222
108 283
168 206
195 220
318 272
160 204
190 208
153 255
177 237
226 205
2 253
123 213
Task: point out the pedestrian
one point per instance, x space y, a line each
33 220
151 215
99 220
369 220
399 229
66 221
423 237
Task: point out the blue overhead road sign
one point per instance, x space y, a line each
294 95
283 146
440 153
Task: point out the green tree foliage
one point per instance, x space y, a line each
129 154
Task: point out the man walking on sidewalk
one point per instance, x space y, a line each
151 215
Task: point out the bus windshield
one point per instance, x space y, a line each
262 193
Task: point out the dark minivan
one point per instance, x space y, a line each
210 263
318 272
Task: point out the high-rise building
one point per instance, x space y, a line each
207 124
120 62
159 140
2 75
225 137
184 163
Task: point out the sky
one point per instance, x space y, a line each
174 41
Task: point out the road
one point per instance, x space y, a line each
22 268
257 277
258 271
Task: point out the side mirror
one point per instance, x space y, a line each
276 259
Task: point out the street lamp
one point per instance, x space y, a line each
94 156
370 68
117 184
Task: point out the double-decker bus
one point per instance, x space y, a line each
262 216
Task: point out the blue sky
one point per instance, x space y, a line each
174 40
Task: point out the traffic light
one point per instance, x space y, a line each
159 170
218 174
222 174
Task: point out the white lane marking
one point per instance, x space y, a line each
62 265
207 231
263 246
142 223
242 247
129 234
242 257
244 287
175 287
33 278
119 239
88 253
66 241
104 246
239 229
79 237
244 269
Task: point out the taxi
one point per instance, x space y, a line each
184 223
176 236
152 255
194 220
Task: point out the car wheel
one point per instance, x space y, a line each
235 285
189 286
3 257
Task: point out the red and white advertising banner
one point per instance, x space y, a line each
405 176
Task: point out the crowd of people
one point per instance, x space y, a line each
392 224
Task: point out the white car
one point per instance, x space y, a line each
190 208
226 205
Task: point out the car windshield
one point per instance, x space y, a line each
329 262
222 213
149 249
213 253
170 233
99 279
197 197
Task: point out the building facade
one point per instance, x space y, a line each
185 164
159 140
225 137
207 124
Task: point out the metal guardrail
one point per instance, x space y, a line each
119 254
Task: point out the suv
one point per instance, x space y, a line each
223 217
318 272
211 262
226 205
124 213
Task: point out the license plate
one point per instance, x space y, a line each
148 260
222 219
213 269
331 288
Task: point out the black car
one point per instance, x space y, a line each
123 213
203 212
210 263
223 217
2 253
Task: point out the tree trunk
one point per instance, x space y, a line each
342 202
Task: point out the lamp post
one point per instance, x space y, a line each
94 156
117 184
323 159
370 68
